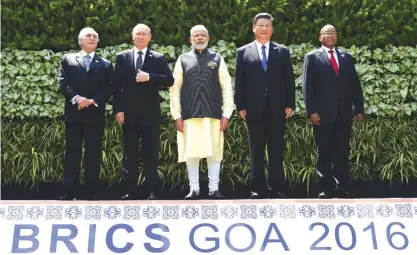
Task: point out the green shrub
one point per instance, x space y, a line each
55 24
30 84
381 149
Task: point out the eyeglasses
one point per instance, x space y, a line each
329 33
263 26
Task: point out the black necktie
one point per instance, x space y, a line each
139 61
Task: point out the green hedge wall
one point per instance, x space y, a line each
55 24
381 149
30 84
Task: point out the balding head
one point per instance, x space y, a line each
326 27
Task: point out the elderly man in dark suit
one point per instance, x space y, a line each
139 73
333 97
265 98
86 82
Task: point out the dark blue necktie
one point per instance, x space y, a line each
264 59
139 61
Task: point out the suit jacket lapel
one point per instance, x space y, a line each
341 60
272 53
325 59
96 61
254 52
131 60
80 60
148 59
255 55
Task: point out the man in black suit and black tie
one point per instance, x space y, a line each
265 98
333 96
139 73
86 82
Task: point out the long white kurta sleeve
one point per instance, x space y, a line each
202 136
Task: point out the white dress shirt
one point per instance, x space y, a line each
136 55
334 53
259 47
83 54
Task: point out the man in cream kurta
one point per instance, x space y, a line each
201 102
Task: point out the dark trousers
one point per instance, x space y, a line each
333 152
92 134
267 131
149 154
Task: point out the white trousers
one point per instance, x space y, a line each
193 166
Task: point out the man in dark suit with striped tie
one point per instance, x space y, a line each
265 98
333 97
139 73
86 82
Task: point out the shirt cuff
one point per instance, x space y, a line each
176 116
73 99
226 115
227 112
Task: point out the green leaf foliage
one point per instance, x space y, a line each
30 79
381 149
55 24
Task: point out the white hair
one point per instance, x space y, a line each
139 26
85 31
198 28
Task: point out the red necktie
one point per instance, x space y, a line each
333 61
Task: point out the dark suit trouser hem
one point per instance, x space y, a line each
92 134
149 153
269 131
333 152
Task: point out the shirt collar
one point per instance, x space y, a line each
91 54
143 50
203 52
327 49
259 45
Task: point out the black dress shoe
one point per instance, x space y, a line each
192 195
277 194
127 196
345 194
324 195
256 195
92 197
216 195
67 196
152 196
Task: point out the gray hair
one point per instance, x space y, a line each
85 31
139 26
198 28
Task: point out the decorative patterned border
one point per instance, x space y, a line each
207 211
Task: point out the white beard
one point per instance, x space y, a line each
200 46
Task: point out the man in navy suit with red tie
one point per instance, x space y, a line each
333 97
265 98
